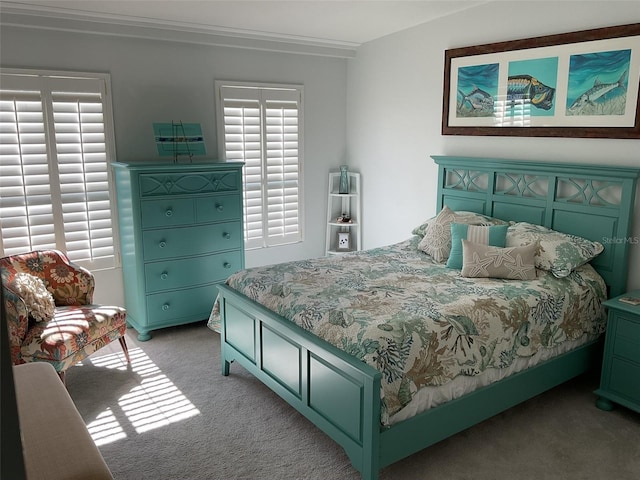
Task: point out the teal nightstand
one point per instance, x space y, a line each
620 381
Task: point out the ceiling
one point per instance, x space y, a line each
335 23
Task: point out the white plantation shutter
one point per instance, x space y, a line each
83 174
262 127
281 124
243 142
54 167
25 194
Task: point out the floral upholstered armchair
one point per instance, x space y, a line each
50 313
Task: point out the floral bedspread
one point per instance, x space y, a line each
420 323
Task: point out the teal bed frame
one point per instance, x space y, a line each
341 395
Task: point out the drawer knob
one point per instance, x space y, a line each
165 307
164 275
169 213
226 235
162 244
227 265
220 208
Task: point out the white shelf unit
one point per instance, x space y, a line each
339 204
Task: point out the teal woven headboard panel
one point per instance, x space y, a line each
592 201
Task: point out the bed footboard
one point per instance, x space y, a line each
341 395
335 391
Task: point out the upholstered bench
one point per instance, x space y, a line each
55 441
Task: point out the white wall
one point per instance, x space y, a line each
155 81
394 111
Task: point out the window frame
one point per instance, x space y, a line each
254 87
45 81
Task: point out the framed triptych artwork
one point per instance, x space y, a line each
580 84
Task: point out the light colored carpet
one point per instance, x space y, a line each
173 416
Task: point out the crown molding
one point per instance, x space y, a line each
47 18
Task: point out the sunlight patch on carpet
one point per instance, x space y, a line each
106 429
155 402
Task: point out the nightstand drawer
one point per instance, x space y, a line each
627 339
625 378
167 212
188 241
171 274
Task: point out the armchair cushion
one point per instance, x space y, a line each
37 298
74 333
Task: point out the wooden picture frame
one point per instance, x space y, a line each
580 84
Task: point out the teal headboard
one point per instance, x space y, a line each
591 201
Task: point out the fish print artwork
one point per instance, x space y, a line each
531 87
598 83
477 99
477 89
528 89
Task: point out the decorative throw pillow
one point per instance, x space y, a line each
437 238
37 298
485 261
494 235
559 253
422 228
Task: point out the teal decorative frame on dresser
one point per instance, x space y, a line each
341 395
181 233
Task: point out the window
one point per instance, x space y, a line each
261 125
56 139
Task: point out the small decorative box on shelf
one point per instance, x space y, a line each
620 381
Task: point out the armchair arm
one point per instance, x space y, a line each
16 316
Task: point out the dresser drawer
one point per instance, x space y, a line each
192 303
154 184
185 211
188 241
167 212
185 272
627 339
216 208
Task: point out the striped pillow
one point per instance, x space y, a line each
494 235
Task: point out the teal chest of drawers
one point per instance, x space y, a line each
620 382
180 236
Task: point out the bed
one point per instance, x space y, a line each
354 393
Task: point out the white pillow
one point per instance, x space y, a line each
38 299
559 253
